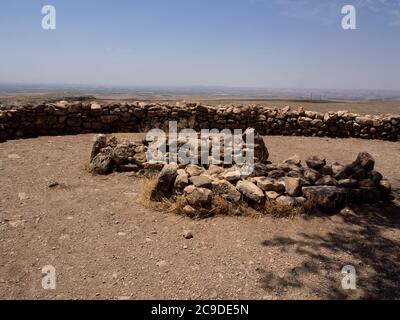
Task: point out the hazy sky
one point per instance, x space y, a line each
255 43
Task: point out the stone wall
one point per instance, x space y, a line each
215 187
83 116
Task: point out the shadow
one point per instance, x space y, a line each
367 237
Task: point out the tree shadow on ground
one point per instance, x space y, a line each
366 235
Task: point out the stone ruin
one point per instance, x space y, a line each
74 117
285 187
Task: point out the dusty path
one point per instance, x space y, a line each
105 245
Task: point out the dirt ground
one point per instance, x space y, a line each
105 245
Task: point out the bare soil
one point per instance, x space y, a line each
105 245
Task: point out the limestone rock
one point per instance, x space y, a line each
326 181
165 182
194 170
315 162
189 210
375 176
198 197
359 174
336 168
285 201
232 175
272 195
226 190
250 190
365 160
99 142
122 153
140 158
344 173
293 186
294 160
329 197
326 170
201 181
259 169
214 169
182 180
268 184
187 234
312 175
102 162
348 183
275 174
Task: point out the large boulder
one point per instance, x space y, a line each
375 176
182 180
326 181
272 195
326 170
343 172
123 153
293 186
99 142
165 182
329 197
250 190
315 162
268 184
255 170
226 190
214 169
198 197
359 173
286 201
365 161
348 183
194 170
233 174
201 181
276 174
336 168
102 162
312 175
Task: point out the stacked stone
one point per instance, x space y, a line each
287 184
65 117
110 155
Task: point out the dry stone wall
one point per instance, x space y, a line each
268 188
92 116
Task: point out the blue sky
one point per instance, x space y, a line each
249 43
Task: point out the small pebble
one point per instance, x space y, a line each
187 234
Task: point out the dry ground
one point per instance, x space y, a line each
105 245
